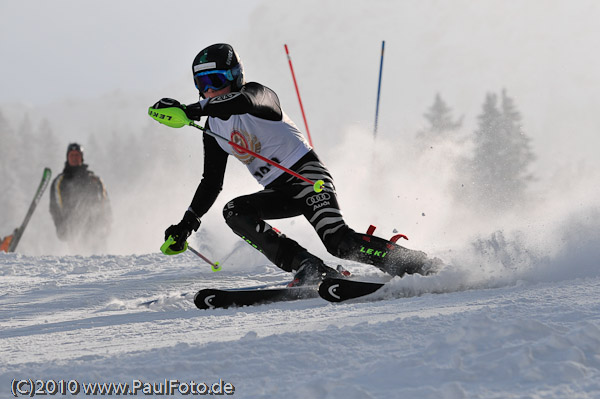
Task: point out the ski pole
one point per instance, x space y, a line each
166 249
176 117
379 89
215 267
36 199
298 93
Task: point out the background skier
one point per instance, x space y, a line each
249 114
79 205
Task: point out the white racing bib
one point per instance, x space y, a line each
279 141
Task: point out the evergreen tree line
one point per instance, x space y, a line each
132 164
24 152
493 175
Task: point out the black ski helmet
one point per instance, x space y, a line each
219 64
74 147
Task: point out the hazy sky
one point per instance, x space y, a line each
53 49
543 52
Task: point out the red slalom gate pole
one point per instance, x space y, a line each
298 93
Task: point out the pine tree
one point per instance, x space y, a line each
9 182
439 117
52 151
520 157
28 150
497 173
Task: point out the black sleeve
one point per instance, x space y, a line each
254 99
215 162
106 209
55 209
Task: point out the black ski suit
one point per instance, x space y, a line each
254 119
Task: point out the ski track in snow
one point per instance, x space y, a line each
76 317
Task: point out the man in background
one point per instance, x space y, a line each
79 205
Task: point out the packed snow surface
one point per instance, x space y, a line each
467 332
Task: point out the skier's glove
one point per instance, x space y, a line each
192 111
168 103
181 231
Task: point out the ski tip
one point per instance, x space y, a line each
340 289
329 289
204 299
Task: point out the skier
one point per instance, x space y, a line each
250 115
79 204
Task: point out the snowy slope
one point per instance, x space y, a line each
529 332
515 314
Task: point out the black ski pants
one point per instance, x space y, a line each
288 197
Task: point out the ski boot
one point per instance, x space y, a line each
312 271
390 257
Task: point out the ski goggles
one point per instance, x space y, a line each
214 79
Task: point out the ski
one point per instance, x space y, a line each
338 290
182 295
11 242
211 298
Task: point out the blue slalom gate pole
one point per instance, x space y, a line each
379 88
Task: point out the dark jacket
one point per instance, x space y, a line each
79 205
